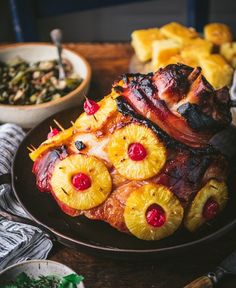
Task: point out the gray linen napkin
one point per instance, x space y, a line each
18 242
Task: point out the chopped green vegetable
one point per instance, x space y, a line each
23 83
51 281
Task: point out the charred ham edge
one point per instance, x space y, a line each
159 97
44 165
183 174
43 168
127 110
197 90
198 120
205 109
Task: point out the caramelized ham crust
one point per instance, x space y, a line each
180 101
177 108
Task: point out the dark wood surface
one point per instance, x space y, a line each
107 62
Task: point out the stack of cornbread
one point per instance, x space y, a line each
174 43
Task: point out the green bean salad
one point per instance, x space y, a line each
24 83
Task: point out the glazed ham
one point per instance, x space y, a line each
180 101
141 160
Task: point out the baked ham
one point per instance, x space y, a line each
140 159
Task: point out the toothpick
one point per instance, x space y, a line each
30 149
95 118
58 124
33 147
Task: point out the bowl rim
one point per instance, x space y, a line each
32 261
36 261
71 94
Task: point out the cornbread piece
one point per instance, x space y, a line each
179 59
142 42
228 50
216 70
218 33
178 32
195 48
190 61
163 50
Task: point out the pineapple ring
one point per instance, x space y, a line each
54 141
136 170
64 190
87 123
137 205
213 189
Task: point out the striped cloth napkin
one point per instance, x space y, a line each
18 242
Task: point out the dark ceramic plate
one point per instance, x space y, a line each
97 236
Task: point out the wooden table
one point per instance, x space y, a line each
107 62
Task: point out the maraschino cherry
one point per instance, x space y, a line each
155 216
81 181
137 152
90 106
53 132
210 209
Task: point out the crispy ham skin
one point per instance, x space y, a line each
125 108
167 99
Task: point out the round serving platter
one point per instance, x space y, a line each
96 236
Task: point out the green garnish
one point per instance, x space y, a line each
24 281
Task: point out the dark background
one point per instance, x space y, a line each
117 22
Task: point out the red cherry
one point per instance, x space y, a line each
137 152
210 209
90 106
81 181
53 133
155 216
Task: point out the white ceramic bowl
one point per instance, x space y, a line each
35 269
28 116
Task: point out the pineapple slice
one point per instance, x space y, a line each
81 182
152 212
218 33
196 48
52 142
178 32
136 152
208 202
88 123
228 51
216 70
142 42
162 50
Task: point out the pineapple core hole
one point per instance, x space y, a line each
210 209
155 215
137 152
81 181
